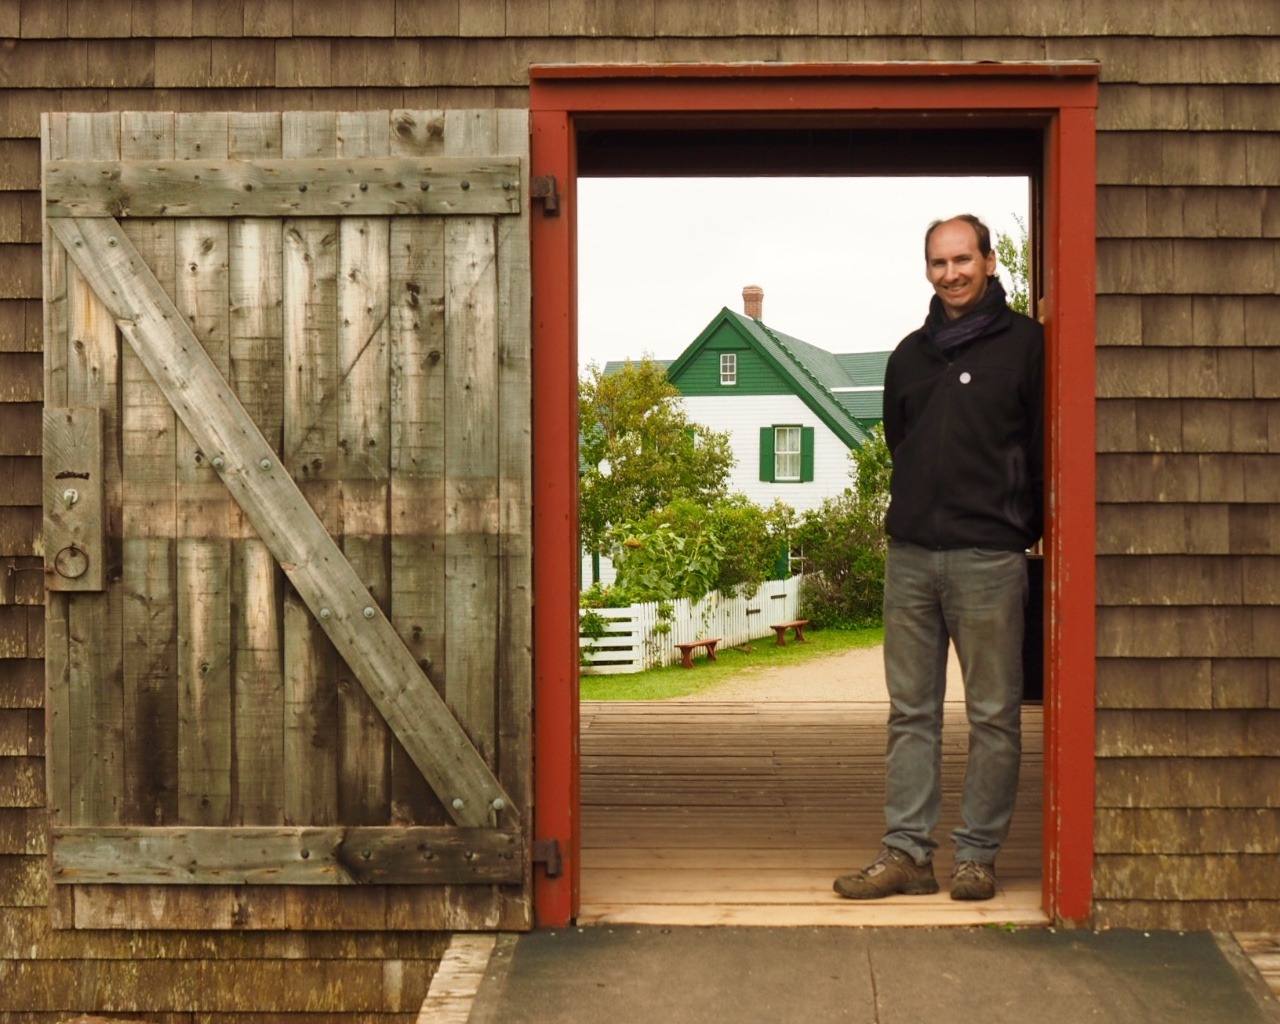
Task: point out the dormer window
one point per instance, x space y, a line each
728 369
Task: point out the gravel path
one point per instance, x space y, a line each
856 675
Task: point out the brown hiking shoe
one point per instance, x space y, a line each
890 873
973 880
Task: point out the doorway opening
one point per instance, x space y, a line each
742 802
1034 120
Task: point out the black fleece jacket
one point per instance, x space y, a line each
966 432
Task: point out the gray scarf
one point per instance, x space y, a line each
947 334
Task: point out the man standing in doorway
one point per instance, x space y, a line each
963 418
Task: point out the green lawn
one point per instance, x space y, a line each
678 681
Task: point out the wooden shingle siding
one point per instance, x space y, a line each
1188 222
1188 520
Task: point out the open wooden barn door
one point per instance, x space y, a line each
287 504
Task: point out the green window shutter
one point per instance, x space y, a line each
806 454
766 454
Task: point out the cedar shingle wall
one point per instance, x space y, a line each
1188 386
1188 821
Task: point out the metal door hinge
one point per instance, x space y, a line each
544 188
547 853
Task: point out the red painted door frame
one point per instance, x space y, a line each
1060 100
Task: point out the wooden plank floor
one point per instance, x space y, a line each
700 813
1263 948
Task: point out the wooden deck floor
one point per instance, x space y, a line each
743 813
1263 948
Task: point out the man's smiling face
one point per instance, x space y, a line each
956 267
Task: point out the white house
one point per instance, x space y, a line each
793 411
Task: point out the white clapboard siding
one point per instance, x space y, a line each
608 574
636 638
743 416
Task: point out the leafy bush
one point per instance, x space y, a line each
688 548
753 539
594 627
843 543
661 562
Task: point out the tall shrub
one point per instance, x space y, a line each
843 544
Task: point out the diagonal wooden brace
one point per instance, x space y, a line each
294 534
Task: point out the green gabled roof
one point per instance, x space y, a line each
811 372
864 369
867 407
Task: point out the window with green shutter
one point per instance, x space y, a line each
786 454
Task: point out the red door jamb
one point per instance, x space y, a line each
1062 99
1070 535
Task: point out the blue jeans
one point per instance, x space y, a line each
977 599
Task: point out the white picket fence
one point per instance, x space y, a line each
632 641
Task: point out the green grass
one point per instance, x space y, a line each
678 681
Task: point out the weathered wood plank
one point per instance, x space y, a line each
472 412
21 377
1184 782
1222 732
300 908
310 454
1195 580
291 529
310 718
288 856
255 247
204 513
150 494
204 685
454 986
1187 831
210 187
1175 878
151 691
364 465
514 679
95 621
420 133
416 526
258 686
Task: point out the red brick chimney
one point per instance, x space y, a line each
753 301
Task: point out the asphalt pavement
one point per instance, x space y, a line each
647 975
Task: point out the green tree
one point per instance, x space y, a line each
844 545
1015 256
639 451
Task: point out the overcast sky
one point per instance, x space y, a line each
841 260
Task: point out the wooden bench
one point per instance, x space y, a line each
781 629
687 649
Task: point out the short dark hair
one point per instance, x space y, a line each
981 230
